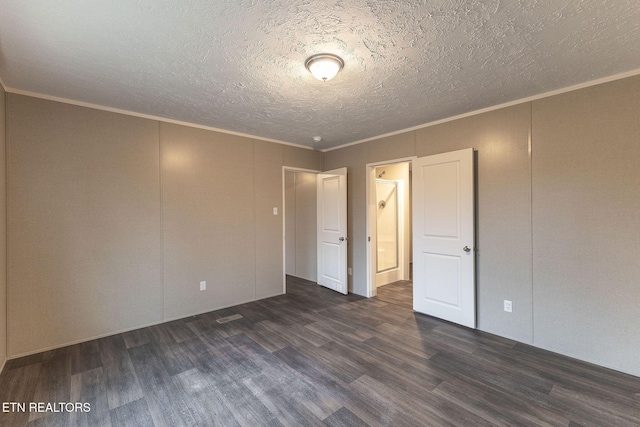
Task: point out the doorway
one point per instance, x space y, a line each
389 230
299 224
315 227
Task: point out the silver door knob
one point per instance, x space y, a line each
342 239
466 249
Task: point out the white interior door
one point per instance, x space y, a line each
332 229
443 237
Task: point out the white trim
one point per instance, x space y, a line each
284 223
493 108
148 116
370 169
392 162
294 169
360 141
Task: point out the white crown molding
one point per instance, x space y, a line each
373 138
495 107
145 116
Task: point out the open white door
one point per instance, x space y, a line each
443 237
332 229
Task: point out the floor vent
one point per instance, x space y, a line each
229 318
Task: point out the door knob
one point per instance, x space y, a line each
466 249
342 239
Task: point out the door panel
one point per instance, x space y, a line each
332 229
441 201
442 269
444 256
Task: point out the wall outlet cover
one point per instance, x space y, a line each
508 306
203 286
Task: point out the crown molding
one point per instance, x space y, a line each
146 116
360 141
495 107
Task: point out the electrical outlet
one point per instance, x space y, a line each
275 211
349 271
203 286
508 306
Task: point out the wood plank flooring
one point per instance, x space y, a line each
318 358
399 293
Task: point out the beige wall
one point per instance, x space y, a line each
84 252
586 223
301 213
3 234
559 238
503 204
207 220
114 220
302 158
354 159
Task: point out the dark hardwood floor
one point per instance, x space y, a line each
399 293
315 357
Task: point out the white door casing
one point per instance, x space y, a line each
443 237
332 229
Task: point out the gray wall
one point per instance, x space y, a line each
3 234
586 223
557 231
300 222
84 252
114 220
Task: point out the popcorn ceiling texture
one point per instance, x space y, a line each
239 65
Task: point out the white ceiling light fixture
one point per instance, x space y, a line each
324 66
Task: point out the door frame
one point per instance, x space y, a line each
371 216
284 224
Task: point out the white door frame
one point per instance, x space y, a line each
371 219
282 209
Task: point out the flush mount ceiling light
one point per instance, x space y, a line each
324 66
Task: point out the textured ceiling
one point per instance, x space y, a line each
239 64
